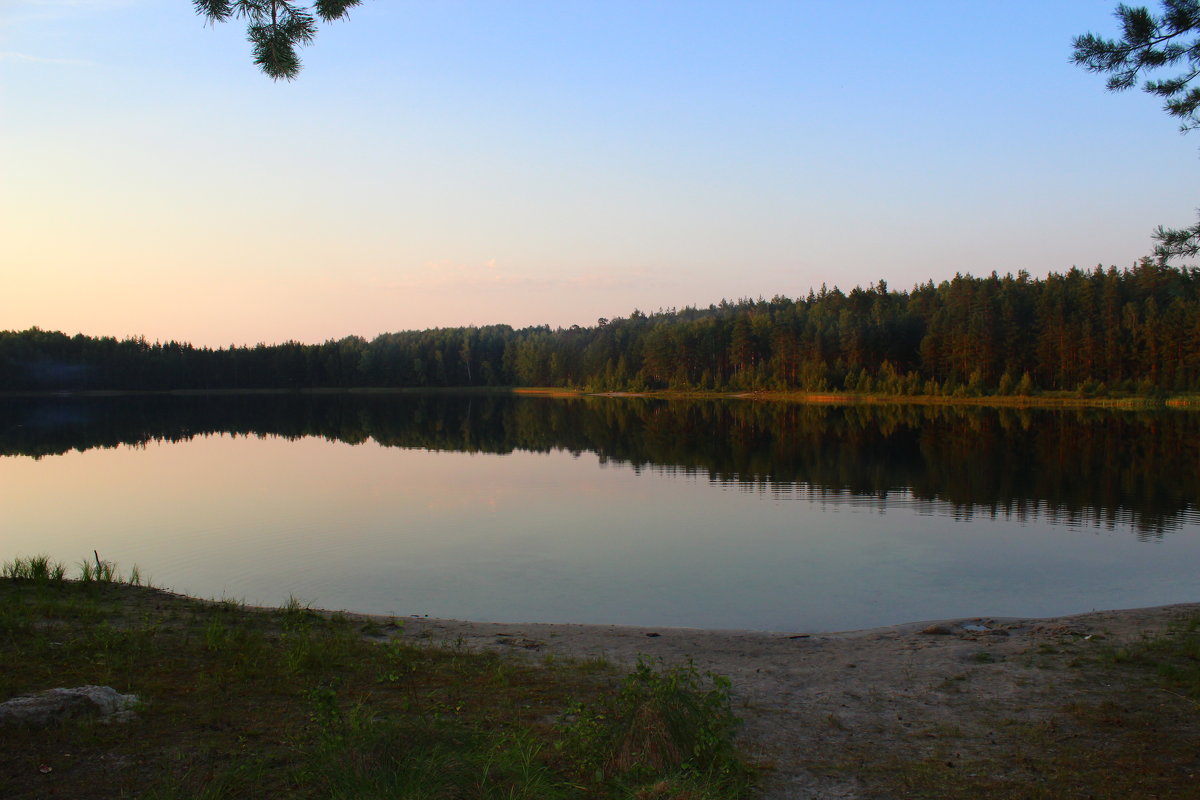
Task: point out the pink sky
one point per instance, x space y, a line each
465 163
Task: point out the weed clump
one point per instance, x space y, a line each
38 569
661 723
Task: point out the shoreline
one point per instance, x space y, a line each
958 708
811 701
1060 400
1064 400
622 643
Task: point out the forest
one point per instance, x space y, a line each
1123 331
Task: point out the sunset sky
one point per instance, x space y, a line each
444 163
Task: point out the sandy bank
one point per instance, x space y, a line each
820 699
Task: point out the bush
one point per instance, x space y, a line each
660 722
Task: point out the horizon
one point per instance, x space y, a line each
731 302
470 164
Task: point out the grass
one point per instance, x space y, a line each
292 702
1173 659
36 569
659 720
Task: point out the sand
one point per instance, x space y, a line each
810 701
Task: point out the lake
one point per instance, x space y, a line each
723 513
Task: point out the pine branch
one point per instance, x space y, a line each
1149 43
275 28
1176 242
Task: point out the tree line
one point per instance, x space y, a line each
1135 330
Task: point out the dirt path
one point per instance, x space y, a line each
824 709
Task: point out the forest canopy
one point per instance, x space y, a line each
1098 331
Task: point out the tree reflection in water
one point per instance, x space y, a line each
1096 468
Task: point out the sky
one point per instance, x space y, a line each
441 163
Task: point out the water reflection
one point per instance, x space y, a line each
1138 471
718 514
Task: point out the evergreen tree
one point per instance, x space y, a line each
276 28
1149 43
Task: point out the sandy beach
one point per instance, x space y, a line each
820 708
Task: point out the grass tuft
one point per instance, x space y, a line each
39 569
663 723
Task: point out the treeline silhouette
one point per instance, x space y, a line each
1088 467
1128 331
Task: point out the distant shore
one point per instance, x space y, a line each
1043 400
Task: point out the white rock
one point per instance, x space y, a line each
57 705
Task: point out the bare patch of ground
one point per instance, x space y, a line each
1003 705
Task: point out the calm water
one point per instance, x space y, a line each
713 514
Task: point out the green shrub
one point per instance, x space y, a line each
661 721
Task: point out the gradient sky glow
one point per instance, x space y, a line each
455 162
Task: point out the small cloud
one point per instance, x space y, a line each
6 55
13 12
98 4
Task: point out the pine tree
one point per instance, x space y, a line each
276 27
1148 43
